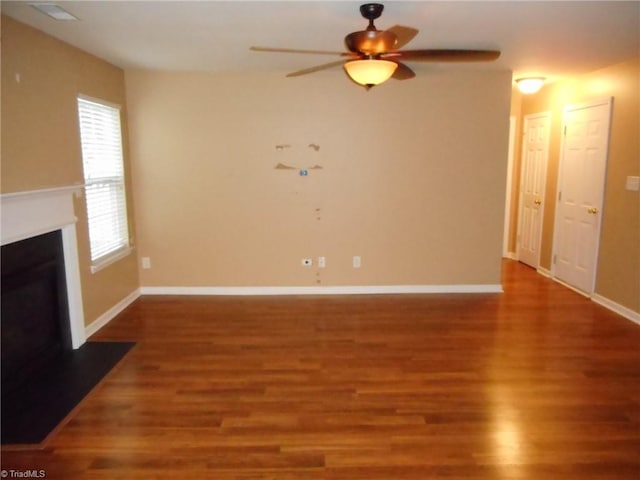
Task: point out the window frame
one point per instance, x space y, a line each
116 181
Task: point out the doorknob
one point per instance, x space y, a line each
592 210
537 202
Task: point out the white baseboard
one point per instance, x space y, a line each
544 272
511 255
328 290
110 314
617 308
571 287
599 299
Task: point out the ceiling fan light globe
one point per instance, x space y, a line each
370 71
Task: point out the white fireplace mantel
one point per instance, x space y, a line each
31 213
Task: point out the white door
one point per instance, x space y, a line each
535 149
580 193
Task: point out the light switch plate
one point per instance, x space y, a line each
633 183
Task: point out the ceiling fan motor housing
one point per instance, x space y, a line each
371 11
371 42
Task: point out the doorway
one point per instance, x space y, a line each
535 150
581 181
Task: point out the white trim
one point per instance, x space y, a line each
544 272
31 213
110 314
599 299
511 256
77 188
328 290
527 118
507 201
608 101
35 212
616 308
570 287
110 258
74 285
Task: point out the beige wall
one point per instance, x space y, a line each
412 178
40 139
618 276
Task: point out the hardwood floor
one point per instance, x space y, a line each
535 383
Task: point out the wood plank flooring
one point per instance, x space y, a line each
535 383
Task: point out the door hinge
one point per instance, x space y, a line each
555 259
559 196
565 131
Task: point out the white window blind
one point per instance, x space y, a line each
101 139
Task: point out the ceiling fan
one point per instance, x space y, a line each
374 55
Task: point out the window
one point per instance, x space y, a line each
101 139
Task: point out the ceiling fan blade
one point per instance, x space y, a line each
444 55
317 68
295 50
403 72
403 34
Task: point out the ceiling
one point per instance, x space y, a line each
554 39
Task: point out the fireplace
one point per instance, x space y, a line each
39 260
35 313
47 367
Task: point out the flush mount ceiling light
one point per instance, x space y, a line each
54 11
529 85
370 72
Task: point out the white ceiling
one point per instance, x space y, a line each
551 38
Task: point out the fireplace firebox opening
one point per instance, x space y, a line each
35 326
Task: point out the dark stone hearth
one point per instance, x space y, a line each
31 412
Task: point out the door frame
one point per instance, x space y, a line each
509 190
608 101
526 119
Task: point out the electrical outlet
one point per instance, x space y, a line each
357 261
307 262
146 262
322 262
